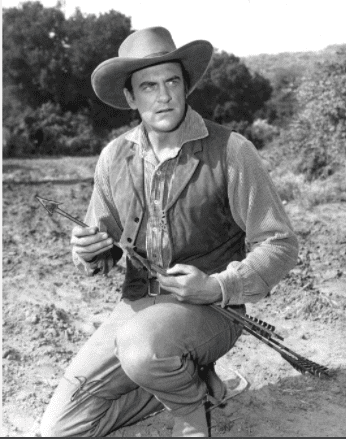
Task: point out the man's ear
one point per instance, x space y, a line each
130 99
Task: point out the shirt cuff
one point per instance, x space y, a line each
240 284
231 285
222 302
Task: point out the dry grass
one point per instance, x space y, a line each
309 194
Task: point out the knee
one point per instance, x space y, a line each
144 352
135 360
136 349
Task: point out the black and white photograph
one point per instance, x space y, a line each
174 218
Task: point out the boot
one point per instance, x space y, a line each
216 387
192 425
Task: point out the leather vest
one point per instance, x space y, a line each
201 228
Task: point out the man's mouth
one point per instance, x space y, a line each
164 110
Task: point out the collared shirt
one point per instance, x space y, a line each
158 178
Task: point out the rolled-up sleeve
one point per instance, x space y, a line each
257 209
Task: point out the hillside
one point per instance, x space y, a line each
269 65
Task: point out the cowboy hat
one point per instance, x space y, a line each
142 49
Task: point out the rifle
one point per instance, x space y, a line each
263 331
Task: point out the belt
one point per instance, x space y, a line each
154 288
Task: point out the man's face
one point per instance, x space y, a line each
159 96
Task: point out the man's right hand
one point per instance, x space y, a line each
88 242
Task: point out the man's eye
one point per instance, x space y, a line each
173 82
148 87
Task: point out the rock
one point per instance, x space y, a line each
33 319
6 353
330 274
11 355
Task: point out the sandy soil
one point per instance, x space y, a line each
50 309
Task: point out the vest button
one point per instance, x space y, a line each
136 219
129 240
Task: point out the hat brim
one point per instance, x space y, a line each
108 79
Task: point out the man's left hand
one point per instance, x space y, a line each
189 284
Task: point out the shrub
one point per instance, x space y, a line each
296 187
119 131
261 132
49 131
317 135
288 185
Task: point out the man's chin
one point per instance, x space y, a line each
164 127
170 126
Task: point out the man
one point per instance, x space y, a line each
182 192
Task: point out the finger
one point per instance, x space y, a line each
179 269
84 241
169 281
175 275
86 245
177 290
87 256
84 231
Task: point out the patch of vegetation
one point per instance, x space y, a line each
292 186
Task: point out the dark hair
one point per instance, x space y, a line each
186 76
128 83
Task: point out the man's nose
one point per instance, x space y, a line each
164 95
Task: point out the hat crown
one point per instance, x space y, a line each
150 42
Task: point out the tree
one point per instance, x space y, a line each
34 53
48 59
229 92
92 39
317 134
283 103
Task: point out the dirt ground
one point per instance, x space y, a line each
50 309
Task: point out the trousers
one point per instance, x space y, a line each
143 358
